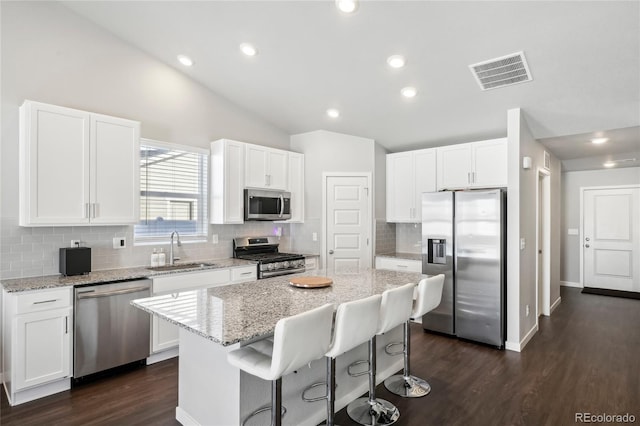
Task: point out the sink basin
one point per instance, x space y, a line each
179 266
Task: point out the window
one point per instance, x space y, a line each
173 192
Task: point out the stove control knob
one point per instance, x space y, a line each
278 265
271 266
300 263
285 263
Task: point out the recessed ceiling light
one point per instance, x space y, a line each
396 61
347 6
333 113
185 60
409 92
598 141
248 49
609 164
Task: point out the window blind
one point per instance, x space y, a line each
173 192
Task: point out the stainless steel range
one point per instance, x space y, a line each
264 250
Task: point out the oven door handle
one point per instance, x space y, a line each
92 295
281 205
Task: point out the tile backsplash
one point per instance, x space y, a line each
33 251
385 237
409 238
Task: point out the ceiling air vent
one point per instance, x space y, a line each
503 71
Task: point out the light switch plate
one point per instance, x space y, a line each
314 236
523 244
214 238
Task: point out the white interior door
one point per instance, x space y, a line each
348 223
611 238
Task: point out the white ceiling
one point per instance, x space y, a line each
584 57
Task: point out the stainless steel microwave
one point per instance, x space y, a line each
265 204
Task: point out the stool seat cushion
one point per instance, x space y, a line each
429 295
355 323
395 308
297 340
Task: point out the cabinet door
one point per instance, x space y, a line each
425 178
296 186
400 187
256 166
490 163
43 347
227 182
278 166
54 165
115 170
164 335
454 166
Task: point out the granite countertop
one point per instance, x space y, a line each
398 255
112 275
243 312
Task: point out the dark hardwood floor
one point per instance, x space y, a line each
585 358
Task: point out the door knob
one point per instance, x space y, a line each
587 239
330 251
586 245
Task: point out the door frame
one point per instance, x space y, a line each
323 243
543 192
582 191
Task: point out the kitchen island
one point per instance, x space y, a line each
217 320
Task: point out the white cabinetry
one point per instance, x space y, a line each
265 168
227 181
480 164
37 339
77 168
397 264
409 174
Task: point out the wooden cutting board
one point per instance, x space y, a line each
311 282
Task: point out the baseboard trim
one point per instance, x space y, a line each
161 356
555 305
518 347
570 284
184 418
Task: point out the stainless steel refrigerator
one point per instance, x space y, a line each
463 237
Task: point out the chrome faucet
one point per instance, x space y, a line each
171 258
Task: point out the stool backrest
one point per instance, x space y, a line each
395 307
355 323
300 339
429 295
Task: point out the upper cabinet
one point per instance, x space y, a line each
238 165
77 168
480 164
227 181
409 174
265 167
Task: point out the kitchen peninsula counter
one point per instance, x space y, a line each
217 320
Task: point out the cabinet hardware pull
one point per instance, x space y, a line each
110 293
45 301
66 325
266 180
246 273
86 210
402 266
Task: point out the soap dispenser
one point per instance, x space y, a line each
154 258
162 259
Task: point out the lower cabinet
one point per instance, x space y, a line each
164 335
397 264
37 343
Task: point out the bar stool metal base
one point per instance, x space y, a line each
408 387
376 412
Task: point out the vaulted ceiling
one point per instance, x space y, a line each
584 57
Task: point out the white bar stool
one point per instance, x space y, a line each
395 309
428 298
297 341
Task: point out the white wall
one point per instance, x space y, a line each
521 223
52 55
571 184
330 152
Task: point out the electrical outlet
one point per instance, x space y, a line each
119 243
523 243
214 238
527 310
75 243
314 236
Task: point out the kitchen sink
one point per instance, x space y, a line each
177 267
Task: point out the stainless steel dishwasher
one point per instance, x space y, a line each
108 330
